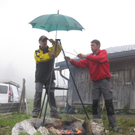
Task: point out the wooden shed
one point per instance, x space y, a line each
122 68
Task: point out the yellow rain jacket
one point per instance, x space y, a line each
44 63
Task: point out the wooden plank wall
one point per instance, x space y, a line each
122 81
71 87
83 83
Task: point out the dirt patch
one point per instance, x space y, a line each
129 117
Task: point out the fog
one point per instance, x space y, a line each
112 22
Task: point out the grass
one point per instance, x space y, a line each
7 122
30 103
123 124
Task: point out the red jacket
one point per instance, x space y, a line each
98 65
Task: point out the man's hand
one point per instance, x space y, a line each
68 58
52 53
80 55
52 41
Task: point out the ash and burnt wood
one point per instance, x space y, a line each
49 125
75 134
72 125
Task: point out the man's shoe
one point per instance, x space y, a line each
55 115
115 129
35 114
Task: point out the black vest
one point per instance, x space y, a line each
44 69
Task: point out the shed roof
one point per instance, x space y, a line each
120 48
113 52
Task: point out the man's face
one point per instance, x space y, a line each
95 47
43 43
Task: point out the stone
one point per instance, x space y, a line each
43 131
36 122
132 129
75 119
54 131
56 121
99 121
24 127
106 132
77 123
94 128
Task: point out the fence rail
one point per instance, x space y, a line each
9 107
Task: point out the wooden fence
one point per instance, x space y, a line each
9 107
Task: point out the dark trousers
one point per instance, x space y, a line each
103 87
38 97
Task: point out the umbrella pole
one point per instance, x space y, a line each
74 83
56 35
50 82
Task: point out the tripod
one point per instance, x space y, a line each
56 41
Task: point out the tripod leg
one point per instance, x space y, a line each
42 105
75 84
50 81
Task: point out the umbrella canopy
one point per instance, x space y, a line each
54 22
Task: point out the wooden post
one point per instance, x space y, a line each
26 101
23 95
22 100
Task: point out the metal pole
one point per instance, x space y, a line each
42 105
74 83
56 41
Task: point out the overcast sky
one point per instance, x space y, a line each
110 21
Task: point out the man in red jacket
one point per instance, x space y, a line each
98 66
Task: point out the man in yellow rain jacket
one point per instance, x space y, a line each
44 64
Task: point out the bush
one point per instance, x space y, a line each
88 110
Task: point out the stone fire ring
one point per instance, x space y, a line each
59 127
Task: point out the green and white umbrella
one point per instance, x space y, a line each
55 22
